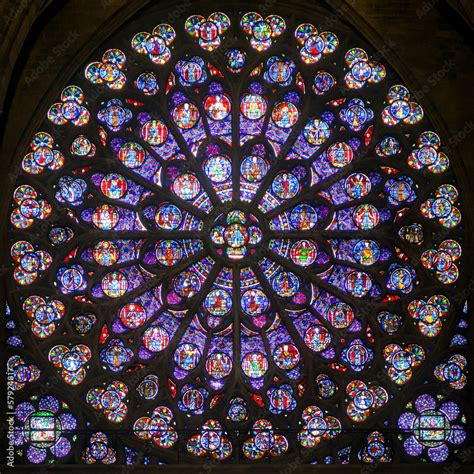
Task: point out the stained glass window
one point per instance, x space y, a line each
236 238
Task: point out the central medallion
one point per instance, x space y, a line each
236 234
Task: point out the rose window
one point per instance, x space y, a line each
236 237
